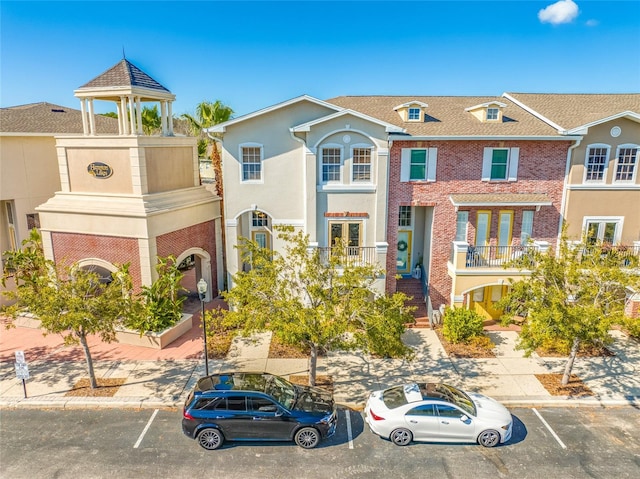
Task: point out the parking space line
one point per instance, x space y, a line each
349 434
549 428
146 428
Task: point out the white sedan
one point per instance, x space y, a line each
436 412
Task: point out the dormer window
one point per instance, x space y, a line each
412 111
487 112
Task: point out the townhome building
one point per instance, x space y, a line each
473 183
602 192
312 165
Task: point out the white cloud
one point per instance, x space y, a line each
592 23
564 11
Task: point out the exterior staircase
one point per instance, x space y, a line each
412 287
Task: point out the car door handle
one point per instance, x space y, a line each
257 418
413 422
219 417
444 422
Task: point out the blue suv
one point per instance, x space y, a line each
241 406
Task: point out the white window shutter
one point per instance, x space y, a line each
486 163
405 164
432 163
514 154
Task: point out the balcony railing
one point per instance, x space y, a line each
490 256
350 255
625 255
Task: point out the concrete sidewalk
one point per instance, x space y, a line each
509 377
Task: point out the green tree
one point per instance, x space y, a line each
158 306
68 300
315 301
572 298
151 121
207 114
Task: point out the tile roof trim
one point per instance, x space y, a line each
221 127
485 105
409 103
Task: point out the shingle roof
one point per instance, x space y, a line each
459 199
570 110
48 118
447 116
124 74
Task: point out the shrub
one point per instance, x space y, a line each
632 326
460 325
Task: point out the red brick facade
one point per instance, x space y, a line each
197 236
541 169
70 248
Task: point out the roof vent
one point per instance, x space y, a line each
57 110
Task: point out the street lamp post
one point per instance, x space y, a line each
202 292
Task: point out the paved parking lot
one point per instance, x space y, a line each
547 442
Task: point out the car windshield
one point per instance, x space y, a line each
282 391
457 397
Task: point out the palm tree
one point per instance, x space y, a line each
207 115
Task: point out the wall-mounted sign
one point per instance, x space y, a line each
99 170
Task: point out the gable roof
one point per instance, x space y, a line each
571 111
221 127
48 119
307 126
446 116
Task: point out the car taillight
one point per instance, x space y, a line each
375 417
186 415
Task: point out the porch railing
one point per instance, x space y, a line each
350 255
490 256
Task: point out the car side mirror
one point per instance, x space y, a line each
464 418
279 412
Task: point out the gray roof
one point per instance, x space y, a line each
447 115
46 118
571 110
124 74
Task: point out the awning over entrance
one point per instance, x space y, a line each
500 199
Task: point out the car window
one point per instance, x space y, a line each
448 411
424 410
263 405
211 404
236 403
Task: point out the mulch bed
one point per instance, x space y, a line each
586 351
553 384
463 350
107 387
324 382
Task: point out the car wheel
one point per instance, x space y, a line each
489 438
401 437
307 437
210 439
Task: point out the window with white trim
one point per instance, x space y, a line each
404 216
603 230
500 164
361 167
258 218
626 163
527 226
462 222
418 164
493 113
596 163
331 164
414 114
251 163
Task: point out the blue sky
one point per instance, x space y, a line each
251 55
